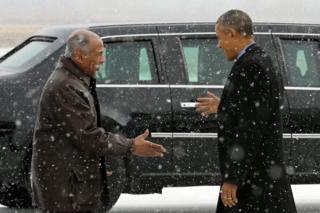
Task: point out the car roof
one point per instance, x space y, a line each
63 31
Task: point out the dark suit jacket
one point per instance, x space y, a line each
69 143
250 136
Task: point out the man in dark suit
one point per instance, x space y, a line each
250 124
68 172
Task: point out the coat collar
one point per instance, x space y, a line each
72 67
243 51
249 49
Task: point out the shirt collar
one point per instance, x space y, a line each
243 51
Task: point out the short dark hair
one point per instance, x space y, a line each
237 20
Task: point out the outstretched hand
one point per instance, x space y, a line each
144 148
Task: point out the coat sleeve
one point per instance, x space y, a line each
250 111
77 120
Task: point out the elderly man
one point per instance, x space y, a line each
68 173
250 151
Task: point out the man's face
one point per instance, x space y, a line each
92 61
227 42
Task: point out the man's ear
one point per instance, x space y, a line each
232 32
77 55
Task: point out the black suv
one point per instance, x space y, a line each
152 76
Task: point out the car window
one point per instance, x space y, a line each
205 62
25 56
129 63
302 58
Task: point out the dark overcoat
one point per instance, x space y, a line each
250 136
69 145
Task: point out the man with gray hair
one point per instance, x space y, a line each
254 178
68 171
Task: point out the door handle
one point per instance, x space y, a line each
188 104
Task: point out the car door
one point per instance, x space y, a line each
194 66
202 67
134 95
301 60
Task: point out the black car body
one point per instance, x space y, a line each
152 75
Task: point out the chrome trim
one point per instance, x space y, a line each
160 86
286 136
305 136
303 88
262 33
183 135
188 104
222 86
160 34
215 135
197 86
129 35
194 135
205 33
161 134
133 85
183 34
191 86
296 34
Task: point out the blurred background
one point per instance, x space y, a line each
21 18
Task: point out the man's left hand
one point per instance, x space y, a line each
208 105
229 194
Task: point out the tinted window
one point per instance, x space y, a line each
302 58
128 62
25 56
205 62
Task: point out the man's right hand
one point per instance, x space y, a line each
144 148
